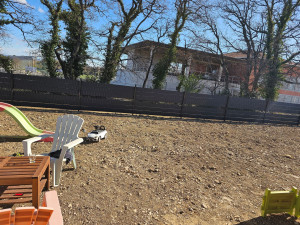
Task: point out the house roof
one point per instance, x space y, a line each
194 52
237 55
22 57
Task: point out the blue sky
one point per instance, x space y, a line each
14 44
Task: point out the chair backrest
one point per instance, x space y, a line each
67 129
5 215
279 202
43 216
23 215
26 216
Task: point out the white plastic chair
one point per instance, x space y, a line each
64 138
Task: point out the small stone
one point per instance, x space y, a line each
154 149
237 218
288 156
70 205
210 186
217 182
204 206
186 198
179 177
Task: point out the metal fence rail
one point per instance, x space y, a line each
26 90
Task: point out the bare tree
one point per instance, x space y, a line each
71 50
17 14
161 68
283 30
243 17
213 41
161 32
119 35
48 47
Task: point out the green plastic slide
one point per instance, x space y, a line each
21 119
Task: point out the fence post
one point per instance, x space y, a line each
266 108
79 95
12 88
134 96
226 108
182 104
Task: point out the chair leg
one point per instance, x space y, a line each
58 169
74 160
53 175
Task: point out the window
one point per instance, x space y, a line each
175 69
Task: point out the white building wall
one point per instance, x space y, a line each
293 87
128 78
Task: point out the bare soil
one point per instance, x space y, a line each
166 170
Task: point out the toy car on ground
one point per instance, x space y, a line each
97 134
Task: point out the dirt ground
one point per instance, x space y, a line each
165 170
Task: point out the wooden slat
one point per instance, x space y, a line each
19 168
13 201
18 190
3 161
42 167
18 187
42 184
12 196
9 173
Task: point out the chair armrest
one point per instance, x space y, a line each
27 143
68 146
72 144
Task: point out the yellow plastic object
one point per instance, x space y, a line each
279 202
297 206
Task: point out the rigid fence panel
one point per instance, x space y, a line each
158 102
243 109
60 93
5 86
284 113
106 90
106 97
46 91
5 80
204 106
46 85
